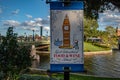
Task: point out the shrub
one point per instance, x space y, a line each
13 58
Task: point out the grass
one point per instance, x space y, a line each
88 47
84 77
61 77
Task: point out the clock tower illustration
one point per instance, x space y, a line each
66 33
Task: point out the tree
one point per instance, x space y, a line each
13 58
90 27
93 7
111 35
111 31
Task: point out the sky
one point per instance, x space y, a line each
109 18
28 15
24 16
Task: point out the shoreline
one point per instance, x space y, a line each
98 53
86 53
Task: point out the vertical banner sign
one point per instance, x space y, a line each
66 36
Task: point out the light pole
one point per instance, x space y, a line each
41 31
0 38
33 35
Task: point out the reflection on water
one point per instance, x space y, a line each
107 65
103 65
45 62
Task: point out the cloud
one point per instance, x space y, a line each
1 10
10 23
30 23
38 24
35 22
45 21
31 28
38 20
15 11
48 17
109 18
46 28
41 21
29 16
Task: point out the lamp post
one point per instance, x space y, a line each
0 38
41 31
33 35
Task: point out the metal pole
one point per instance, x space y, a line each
33 36
66 73
0 37
41 30
66 2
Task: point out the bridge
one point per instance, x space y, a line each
43 49
39 50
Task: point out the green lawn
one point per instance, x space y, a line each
84 77
88 47
61 77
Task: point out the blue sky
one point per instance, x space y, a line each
24 15
28 15
109 18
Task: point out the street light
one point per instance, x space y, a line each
33 35
41 31
0 37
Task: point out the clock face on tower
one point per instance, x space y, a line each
66 28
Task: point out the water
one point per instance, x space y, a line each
107 65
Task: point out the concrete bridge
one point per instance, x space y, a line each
37 52
40 50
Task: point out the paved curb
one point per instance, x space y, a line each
98 52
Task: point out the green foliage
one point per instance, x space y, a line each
35 77
110 36
110 30
94 7
90 27
13 58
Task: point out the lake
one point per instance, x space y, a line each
107 65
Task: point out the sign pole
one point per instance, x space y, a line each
66 73
66 69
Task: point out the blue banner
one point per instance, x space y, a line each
66 37
71 6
